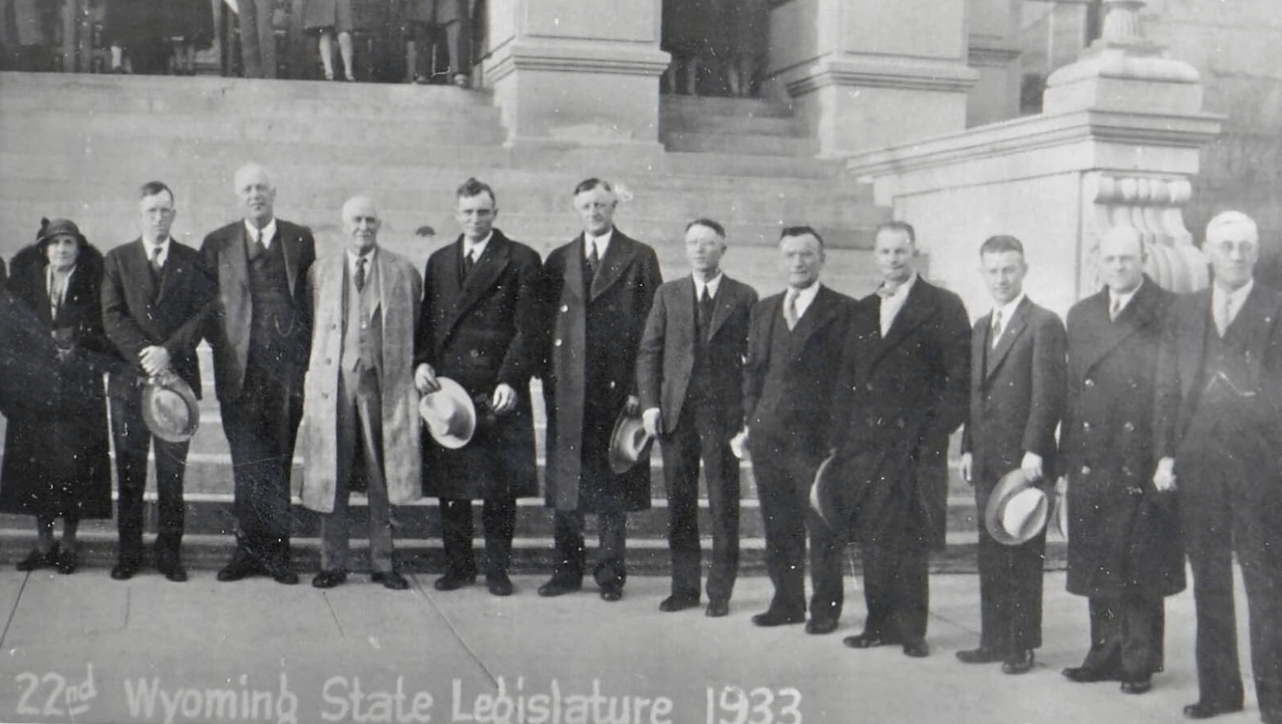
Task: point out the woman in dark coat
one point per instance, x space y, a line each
56 461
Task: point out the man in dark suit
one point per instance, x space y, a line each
480 325
1124 551
1016 400
260 331
599 288
795 344
1218 430
690 381
903 390
156 294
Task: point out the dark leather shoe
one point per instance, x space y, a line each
1087 674
1137 684
611 593
916 648
777 618
35 560
391 580
980 655
821 626
241 566
124 570
499 584
717 608
1208 709
453 581
283 574
867 640
1020 662
173 571
559 586
64 560
675 603
329 579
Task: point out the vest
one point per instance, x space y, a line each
701 385
362 322
272 310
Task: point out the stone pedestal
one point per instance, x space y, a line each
1117 145
866 75
576 72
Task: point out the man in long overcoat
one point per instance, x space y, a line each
599 287
260 331
1217 431
480 325
903 390
1124 549
1016 402
360 408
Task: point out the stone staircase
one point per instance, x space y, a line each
80 145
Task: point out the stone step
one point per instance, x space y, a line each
673 122
745 144
689 106
728 162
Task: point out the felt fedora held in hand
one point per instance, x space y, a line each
170 408
449 414
1017 509
823 491
629 443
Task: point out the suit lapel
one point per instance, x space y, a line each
238 257
1258 317
483 276
722 305
916 310
1136 317
140 269
1014 328
684 312
574 266
814 318
617 258
290 250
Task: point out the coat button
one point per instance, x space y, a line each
1129 427
557 343
868 386
612 384
474 354
1090 383
1086 425
565 307
1086 470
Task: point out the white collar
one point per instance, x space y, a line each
162 246
601 243
1236 297
264 236
712 285
1008 310
352 258
901 291
477 248
1123 299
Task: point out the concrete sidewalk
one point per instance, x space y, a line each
85 648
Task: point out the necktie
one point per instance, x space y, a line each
790 309
887 292
1114 308
469 260
705 307
153 256
360 274
1222 318
256 247
593 262
997 327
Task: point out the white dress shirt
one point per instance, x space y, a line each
264 236
1006 311
712 285
475 250
601 243
1235 301
164 251
803 298
890 305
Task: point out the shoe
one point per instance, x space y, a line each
611 593
1020 662
462 81
1137 684
391 580
1208 709
242 565
173 570
499 584
675 603
980 655
821 626
452 581
916 648
421 80
717 608
1087 674
35 560
777 618
868 640
559 586
124 570
329 579
285 576
64 560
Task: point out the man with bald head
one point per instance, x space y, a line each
360 408
1217 433
259 332
1124 553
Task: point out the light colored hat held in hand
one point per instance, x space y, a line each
629 443
1017 509
170 408
449 414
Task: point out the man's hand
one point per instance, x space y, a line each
633 405
1032 466
425 379
154 359
739 444
504 399
650 421
1164 476
965 468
